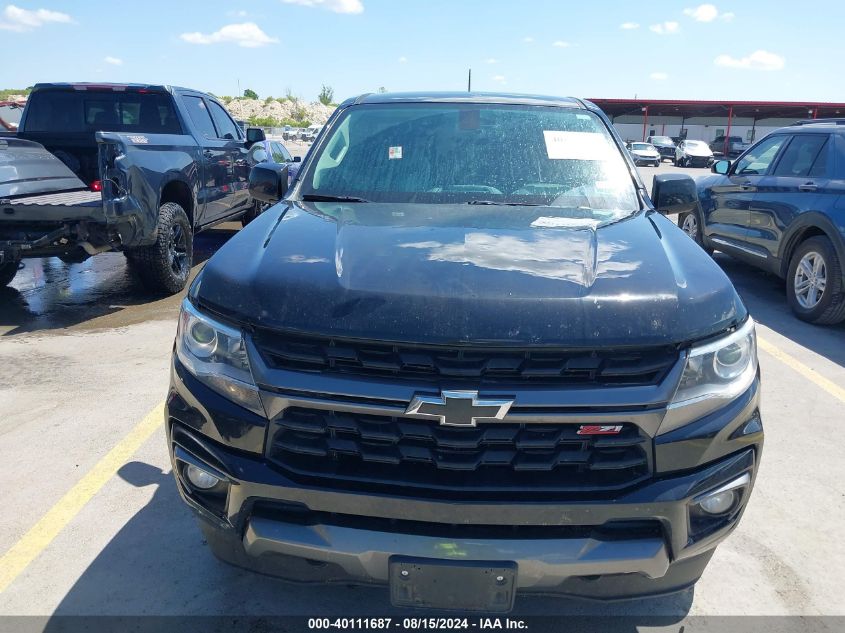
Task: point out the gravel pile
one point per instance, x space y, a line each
316 113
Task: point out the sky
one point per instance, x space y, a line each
672 49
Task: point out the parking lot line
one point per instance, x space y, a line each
31 544
810 374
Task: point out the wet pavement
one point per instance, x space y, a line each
51 296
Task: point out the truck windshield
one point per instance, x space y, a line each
68 111
474 153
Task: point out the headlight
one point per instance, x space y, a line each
714 374
216 355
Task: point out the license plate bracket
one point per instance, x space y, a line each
444 584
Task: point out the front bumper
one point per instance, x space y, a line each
640 542
698 161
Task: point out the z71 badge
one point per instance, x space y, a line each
138 139
599 429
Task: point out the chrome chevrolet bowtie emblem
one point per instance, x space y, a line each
458 408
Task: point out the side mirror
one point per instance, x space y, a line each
254 135
721 167
674 193
268 182
297 159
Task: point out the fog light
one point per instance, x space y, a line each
199 478
718 503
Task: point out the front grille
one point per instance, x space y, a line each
346 448
481 365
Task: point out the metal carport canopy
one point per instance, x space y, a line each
746 109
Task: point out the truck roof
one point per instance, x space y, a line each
468 97
117 87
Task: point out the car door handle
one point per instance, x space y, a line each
808 186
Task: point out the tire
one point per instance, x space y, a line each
166 265
815 287
7 273
690 223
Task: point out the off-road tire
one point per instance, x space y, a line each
166 265
830 308
7 273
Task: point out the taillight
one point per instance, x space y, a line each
96 186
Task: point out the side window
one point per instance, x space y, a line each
226 127
806 152
280 154
200 116
758 159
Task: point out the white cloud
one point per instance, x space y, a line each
491 60
629 26
247 35
659 76
338 6
114 61
528 40
499 79
561 44
703 13
403 60
758 60
16 19
727 17
237 14
665 28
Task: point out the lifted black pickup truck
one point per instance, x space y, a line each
140 169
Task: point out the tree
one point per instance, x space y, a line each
326 95
250 94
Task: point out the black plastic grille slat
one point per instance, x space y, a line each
406 452
484 365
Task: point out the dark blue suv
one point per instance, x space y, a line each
780 206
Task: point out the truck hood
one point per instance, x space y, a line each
698 151
461 274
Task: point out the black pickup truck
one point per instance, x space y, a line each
129 167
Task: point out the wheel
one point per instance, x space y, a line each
690 224
8 272
815 287
166 264
258 208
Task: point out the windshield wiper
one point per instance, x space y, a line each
506 204
317 197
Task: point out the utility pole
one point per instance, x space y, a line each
239 89
469 81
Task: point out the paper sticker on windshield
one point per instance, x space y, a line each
560 222
576 145
395 152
